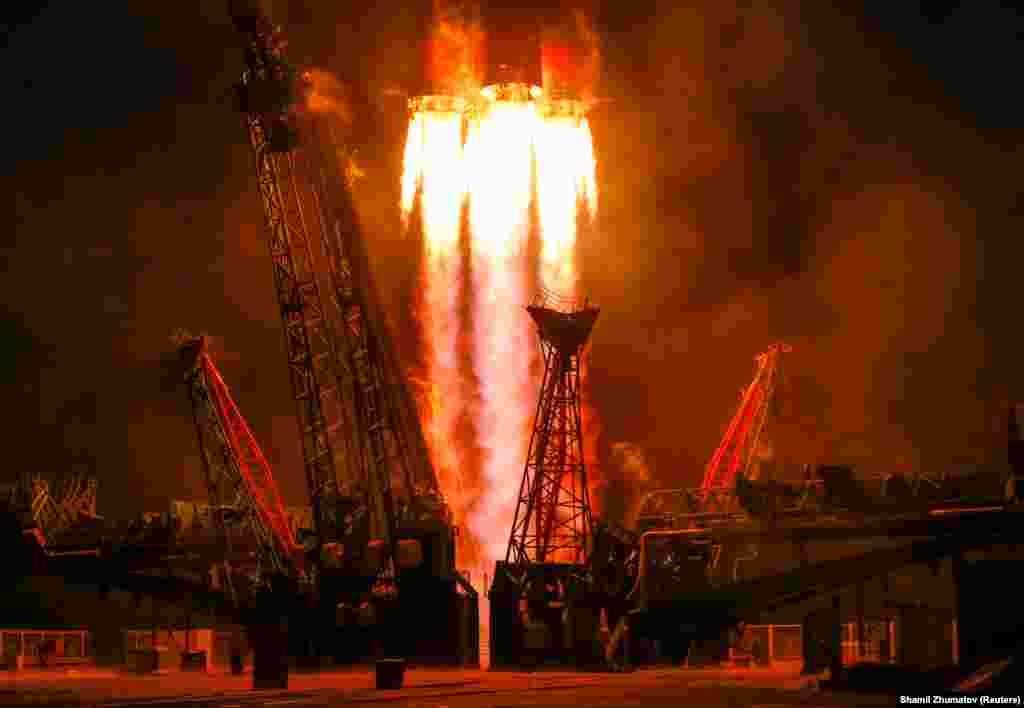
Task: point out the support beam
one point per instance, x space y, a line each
887 644
860 643
958 572
837 639
802 555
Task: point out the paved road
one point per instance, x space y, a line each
433 689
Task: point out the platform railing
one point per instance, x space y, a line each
22 647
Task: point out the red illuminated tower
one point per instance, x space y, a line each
238 477
553 521
735 454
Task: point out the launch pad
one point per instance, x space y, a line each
375 576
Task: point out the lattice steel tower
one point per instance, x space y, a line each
553 521
357 419
238 476
270 96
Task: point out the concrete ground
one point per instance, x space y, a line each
731 688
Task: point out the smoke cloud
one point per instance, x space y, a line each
745 201
328 95
766 170
627 484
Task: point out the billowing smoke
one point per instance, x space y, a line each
629 458
766 171
630 484
589 69
328 95
748 197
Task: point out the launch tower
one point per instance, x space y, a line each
553 521
545 563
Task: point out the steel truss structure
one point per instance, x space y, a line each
268 97
241 485
58 509
553 520
360 430
734 457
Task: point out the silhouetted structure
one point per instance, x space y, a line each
553 520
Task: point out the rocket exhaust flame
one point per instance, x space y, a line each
499 153
565 182
518 146
434 170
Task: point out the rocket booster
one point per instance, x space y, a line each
473 45
512 48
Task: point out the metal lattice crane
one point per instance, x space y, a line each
238 476
393 448
734 456
732 462
270 97
383 530
553 520
356 413
60 508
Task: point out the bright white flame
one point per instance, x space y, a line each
434 168
565 182
495 170
499 154
412 163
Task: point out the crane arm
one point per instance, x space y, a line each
237 462
734 455
252 464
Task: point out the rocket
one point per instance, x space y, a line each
475 45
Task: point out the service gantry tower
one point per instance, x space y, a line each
356 416
270 96
553 522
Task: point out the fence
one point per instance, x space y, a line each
22 645
878 646
216 643
766 644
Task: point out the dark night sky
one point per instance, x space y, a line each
846 180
